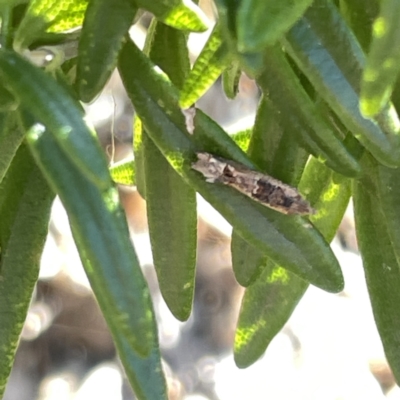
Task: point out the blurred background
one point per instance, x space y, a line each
329 349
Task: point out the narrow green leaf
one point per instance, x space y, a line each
6 28
360 16
25 201
51 104
247 262
144 374
260 23
167 48
178 14
281 84
382 66
290 241
387 187
250 62
171 203
102 238
104 28
138 153
276 152
269 302
124 173
172 217
378 250
213 59
51 16
328 54
230 80
10 140
7 101
242 138
266 307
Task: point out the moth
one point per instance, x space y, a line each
260 187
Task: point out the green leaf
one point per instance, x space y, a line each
269 302
382 67
10 140
102 238
266 307
25 201
376 235
52 105
48 16
300 114
11 3
360 16
276 152
139 157
251 62
124 173
386 181
7 101
247 262
104 28
242 138
326 51
167 48
230 80
178 14
260 23
171 206
145 374
171 203
290 241
213 59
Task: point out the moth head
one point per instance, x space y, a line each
209 166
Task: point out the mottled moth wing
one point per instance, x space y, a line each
260 187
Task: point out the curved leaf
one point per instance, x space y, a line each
325 50
101 234
105 25
289 240
124 172
382 66
212 60
260 23
178 14
230 80
51 104
51 16
25 201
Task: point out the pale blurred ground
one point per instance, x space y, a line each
329 349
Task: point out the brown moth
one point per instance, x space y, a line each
260 187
